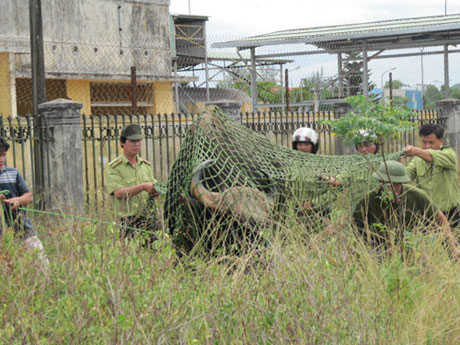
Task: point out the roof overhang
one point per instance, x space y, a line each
389 34
186 18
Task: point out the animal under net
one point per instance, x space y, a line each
230 180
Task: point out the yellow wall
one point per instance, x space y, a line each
163 102
79 91
195 107
5 94
246 107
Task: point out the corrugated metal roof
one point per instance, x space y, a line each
233 56
421 31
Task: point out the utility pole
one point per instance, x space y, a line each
390 81
37 56
423 81
133 90
286 80
38 91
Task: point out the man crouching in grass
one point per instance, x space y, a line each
14 194
394 204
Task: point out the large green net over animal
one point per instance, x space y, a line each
231 180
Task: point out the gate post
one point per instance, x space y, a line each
62 154
449 111
341 147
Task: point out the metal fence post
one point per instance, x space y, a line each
63 163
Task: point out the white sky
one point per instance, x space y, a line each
253 17
233 19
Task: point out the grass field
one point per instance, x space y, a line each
305 286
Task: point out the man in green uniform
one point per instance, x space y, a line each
395 205
434 168
131 185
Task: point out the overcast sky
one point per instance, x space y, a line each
253 17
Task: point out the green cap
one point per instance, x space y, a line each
132 132
396 171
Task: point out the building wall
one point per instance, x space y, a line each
163 102
90 40
79 91
93 36
5 85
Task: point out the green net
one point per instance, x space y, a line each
229 177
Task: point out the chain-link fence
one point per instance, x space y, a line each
312 78
126 74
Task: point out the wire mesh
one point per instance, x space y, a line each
188 74
313 78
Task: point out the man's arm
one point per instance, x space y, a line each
115 180
444 223
446 159
128 192
25 195
23 200
411 151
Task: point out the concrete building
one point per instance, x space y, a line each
90 47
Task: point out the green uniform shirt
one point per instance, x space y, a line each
414 205
437 178
120 173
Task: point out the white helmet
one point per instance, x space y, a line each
305 135
368 136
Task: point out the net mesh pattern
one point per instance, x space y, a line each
228 175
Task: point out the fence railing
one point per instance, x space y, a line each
25 136
163 138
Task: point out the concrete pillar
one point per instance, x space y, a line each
230 107
62 155
341 147
449 111
79 91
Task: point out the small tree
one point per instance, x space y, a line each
381 120
430 96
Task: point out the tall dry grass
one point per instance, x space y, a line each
299 286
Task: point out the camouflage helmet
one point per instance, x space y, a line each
131 132
396 173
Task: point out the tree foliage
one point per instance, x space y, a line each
397 84
353 74
241 80
431 94
380 120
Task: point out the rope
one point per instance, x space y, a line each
66 215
